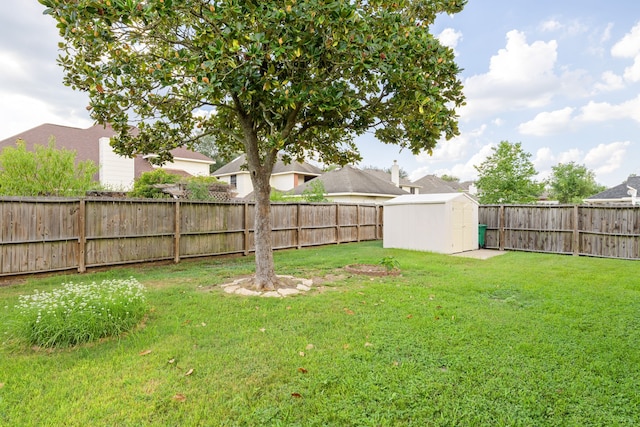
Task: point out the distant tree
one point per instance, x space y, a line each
507 176
314 193
450 178
45 171
208 146
571 183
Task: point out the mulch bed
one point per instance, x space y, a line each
371 270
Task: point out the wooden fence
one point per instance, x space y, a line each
599 231
43 235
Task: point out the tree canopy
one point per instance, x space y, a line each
45 171
507 176
264 77
571 183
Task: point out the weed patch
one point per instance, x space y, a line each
79 313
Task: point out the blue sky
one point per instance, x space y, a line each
562 77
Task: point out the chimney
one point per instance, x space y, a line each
395 173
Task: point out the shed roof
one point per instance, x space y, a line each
428 199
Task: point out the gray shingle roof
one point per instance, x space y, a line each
236 166
431 184
619 191
352 181
387 177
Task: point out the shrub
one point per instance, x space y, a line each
144 186
45 171
79 313
198 187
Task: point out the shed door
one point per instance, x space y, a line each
461 229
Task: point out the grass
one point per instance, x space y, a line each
519 340
77 313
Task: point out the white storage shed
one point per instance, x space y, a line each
446 223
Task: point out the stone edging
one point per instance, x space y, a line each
298 285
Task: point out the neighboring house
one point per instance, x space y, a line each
394 177
431 184
351 185
115 171
284 176
624 193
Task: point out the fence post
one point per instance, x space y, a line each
82 236
246 229
176 230
358 223
298 226
501 229
337 223
576 231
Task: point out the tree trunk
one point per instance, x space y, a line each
265 271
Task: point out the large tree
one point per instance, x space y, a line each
275 76
507 176
571 183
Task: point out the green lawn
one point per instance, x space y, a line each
520 340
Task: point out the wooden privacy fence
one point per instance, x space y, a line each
43 235
599 231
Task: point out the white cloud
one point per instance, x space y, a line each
550 25
450 38
610 82
545 158
547 123
520 76
606 158
606 34
20 113
629 47
604 111
454 149
465 171
572 155
571 28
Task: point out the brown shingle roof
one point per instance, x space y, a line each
85 143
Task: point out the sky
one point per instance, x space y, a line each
562 77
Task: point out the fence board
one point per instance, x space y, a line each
599 231
41 234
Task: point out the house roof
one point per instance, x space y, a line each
85 143
236 166
432 184
387 177
350 180
619 191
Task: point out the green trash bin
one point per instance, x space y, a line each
482 231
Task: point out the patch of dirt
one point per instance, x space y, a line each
371 270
